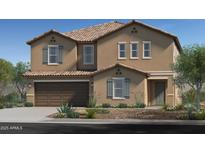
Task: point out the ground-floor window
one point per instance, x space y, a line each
118 88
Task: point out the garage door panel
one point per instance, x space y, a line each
56 93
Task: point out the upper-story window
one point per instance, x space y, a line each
146 50
53 52
88 54
121 50
134 50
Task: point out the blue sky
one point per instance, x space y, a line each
14 33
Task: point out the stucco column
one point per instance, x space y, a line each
145 92
30 95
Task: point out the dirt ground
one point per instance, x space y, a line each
140 114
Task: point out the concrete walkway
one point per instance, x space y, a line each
26 114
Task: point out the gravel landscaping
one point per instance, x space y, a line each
131 113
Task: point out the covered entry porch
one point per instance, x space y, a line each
156 91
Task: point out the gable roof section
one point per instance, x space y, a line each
52 31
96 32
119 65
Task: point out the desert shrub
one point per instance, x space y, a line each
28 104
140 105
106 105
68 111
90 113
122 105
64 108
92 102
60 115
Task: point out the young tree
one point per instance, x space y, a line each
19 81
6 75
190 69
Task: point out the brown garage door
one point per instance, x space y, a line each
56 93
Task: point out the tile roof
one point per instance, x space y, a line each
77 73
56 73
94 32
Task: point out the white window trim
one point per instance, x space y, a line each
92 60
119 50
150 57
134 42
123 86
49 55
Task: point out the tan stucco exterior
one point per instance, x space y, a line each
161 49
163 53
136 86
69 54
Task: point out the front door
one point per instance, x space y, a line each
159 93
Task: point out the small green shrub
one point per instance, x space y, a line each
102 111
122 105
72 114
90 113
1 106
179 107
19 105
8 105
98 106
106 105
92 102
168 108
199 115
12 98
28 104
140 105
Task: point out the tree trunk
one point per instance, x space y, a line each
198 90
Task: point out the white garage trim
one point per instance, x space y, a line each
61 80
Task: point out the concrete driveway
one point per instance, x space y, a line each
26 114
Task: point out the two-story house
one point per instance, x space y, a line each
113 62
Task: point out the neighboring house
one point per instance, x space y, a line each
114 62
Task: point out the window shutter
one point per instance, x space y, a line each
45 55
60 55
109 88
127 88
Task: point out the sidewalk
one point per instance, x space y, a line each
126 121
